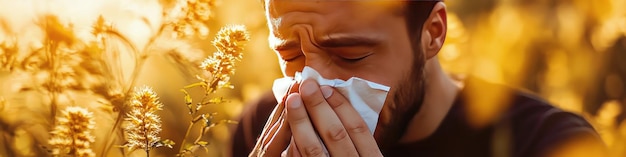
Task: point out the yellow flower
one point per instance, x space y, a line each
101 26
143 124
71 135
220 66
192 18
231 40
201 9
56 31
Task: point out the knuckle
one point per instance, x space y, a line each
313 151
360 128
354 154
314 102
334 103
337 133
297 117
300 120
373 154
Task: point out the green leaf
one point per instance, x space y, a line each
229 122
202 143
167 143
202 84
217 100
188 101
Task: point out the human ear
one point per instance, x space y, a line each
434 30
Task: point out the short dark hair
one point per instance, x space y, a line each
415 13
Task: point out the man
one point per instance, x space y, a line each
426 113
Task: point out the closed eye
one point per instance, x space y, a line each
356 59
292 58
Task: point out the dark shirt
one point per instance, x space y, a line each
528 127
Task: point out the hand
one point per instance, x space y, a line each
276 133
322 110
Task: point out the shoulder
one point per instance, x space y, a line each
540 127
533 125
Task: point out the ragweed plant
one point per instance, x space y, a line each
143 123
189 17
72 133
62 65
219 67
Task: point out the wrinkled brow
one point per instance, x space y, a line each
330 42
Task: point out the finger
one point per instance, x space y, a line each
326 122
279 108
280 134
292 150
353 123
303 132
279 140
267 131
272 125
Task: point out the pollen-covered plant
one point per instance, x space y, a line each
143 123
72 134
96 60
189 17
229 43
219 67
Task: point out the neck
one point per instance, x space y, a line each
441 92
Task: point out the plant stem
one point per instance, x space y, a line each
201 134
145 132
182 144
139 60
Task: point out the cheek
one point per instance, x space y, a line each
289 69
397 65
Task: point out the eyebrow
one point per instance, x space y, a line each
332 42
347 41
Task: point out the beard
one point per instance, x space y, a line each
408 96
406 102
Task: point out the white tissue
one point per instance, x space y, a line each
367 97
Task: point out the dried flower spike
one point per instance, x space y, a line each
220 66
71 135
101 26
229 42
231 39
191 16
143 124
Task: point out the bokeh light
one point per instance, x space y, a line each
572 53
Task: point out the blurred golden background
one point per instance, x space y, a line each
571 52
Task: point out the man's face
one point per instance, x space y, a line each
343 39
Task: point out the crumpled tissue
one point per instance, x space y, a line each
367 97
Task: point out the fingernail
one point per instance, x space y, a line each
294 100
326 91
308 88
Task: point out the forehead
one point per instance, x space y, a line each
327 16
282 6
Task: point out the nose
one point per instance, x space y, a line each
316 56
